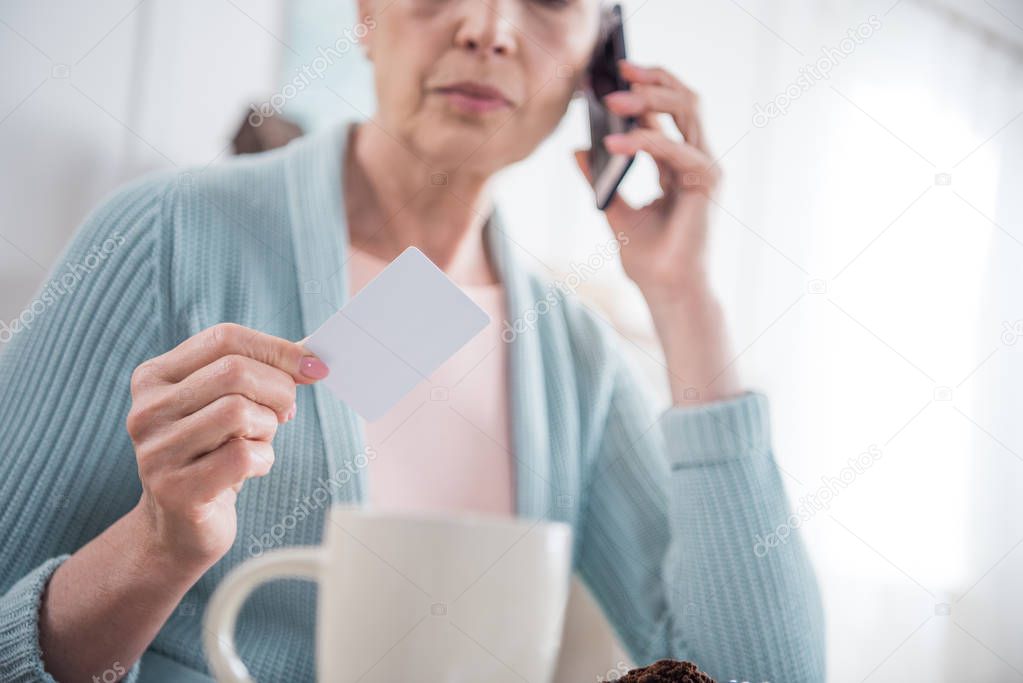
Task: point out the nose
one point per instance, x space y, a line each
485 28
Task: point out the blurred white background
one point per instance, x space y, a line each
867 246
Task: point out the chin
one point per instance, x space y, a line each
450 143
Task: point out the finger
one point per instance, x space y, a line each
691 126
229 417
643 99
666 176
226 467
235 374
691 167
226 339
652 75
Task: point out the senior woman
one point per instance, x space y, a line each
157 419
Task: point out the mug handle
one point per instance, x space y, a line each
231 594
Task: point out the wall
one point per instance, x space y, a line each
105 91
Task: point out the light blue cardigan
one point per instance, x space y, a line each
665 508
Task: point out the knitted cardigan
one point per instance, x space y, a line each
666 506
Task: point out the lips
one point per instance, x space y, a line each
474 96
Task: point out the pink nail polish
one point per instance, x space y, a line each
313 368
291 412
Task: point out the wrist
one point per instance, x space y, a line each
153 554
692 293
690 326
685 310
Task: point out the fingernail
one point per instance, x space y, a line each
313 368
291 412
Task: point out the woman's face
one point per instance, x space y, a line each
428 56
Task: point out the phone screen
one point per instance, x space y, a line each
607 170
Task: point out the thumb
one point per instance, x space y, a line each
618 210
582 160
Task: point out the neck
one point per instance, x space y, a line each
394 200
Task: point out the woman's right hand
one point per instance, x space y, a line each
202 420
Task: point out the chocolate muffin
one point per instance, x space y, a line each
667 671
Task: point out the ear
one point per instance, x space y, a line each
367 15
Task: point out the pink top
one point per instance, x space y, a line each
446 447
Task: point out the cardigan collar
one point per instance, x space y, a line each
314 177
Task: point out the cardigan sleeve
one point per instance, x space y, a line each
675 504
67 468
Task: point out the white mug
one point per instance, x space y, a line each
416 598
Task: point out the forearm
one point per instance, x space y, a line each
692 332
106 603
749 611
748 615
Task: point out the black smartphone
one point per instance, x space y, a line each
606 169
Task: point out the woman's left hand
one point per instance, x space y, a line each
664 242
667 237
